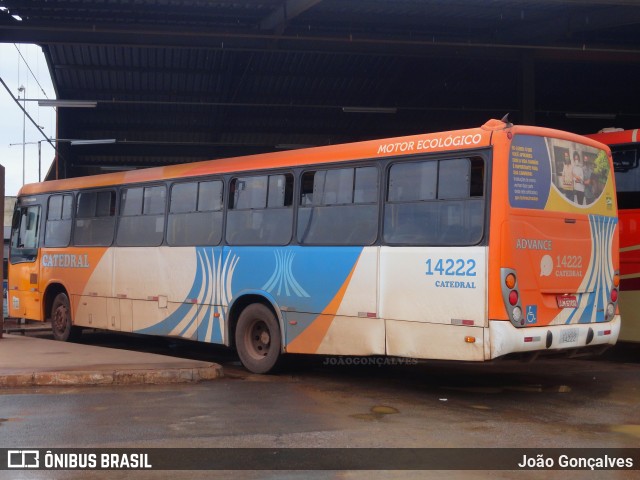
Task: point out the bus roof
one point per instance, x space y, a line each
615 136
455 140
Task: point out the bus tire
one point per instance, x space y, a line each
61 324
258 339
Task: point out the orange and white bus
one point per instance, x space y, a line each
460 245
625 148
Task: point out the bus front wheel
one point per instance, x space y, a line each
258 339
61 324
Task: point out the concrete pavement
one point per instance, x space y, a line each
29 361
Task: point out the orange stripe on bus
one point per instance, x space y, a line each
309 341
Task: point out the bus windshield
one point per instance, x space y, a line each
24 233
625 165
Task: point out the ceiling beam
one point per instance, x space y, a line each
408 47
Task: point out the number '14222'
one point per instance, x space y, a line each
569 261
452 267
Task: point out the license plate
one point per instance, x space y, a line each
569 336
567 301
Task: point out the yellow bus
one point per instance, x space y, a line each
460 245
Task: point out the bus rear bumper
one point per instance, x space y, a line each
504 338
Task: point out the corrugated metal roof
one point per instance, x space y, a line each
182 80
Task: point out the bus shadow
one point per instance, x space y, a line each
594 376
623 352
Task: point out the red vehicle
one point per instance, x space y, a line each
625 148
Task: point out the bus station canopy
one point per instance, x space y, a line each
173 81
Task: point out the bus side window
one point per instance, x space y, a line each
410 209
142 216
58 225
435 202
95 219
195 213
260 210
339 207
454 178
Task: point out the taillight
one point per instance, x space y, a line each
611 311
613 296
516 314
511 296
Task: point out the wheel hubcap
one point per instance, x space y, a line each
260 339
60 318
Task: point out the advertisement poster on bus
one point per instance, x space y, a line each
559 175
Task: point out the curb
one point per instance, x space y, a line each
115 377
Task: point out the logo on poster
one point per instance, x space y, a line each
546 266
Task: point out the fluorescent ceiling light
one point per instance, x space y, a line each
292 146
17 17
93 142
68 103
107 168
369 109
595 116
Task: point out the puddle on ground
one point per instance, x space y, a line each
475 389
377 413
99 408
633 430
3 420
512 388
525 388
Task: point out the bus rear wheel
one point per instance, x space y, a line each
258 339
61 325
